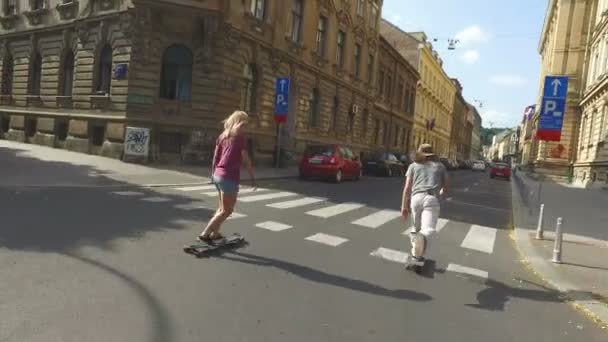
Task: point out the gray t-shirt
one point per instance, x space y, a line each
427 176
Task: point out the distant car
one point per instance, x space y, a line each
330 162
478 166
500 170
383 164
404 158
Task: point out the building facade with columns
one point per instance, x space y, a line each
591 166
78 74
562 48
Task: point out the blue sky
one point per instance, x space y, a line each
496 61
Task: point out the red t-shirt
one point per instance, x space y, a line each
228 157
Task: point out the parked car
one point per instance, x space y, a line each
330 162
500 170
478 166
383 164
404 158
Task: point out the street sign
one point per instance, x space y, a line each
552 109
281 100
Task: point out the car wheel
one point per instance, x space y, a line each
338 178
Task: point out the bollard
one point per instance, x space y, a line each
539 227
557 247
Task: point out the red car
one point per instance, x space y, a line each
500 170
331 162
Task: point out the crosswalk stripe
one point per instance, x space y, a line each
390 254
256 198
295 203
156 199
196 188
191 206
127 193
241 191
236 215
273 226
467 270
326 239
441 223
480 238
378 218
335 210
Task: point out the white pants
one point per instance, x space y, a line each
425 213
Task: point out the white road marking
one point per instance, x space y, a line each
273 226
295 203
335 210
325 239
475 184
467 270
156 199
191 206
441 223
241 191
127 193
391 255
378 218
236 216
480 238
196 188
450 198
465 189
257 198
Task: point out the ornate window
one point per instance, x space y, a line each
296 20
67 74
176 73
357 64
35 78
7 75
258 9
313 111
341 42
9 7
248 93
103 77
321 42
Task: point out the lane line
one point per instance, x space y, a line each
273 226
480 238
257 198
390 255
156 199
241 191
335 210
441 223
196 188
295 203
377 219
467 270
127 193
326 239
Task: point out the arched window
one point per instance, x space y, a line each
176 74
104 70
250 79
35 78
67 74
7 75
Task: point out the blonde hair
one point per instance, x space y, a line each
233 123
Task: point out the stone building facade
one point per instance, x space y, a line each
460 135
562 48
591 167
476 148
77 74
435 93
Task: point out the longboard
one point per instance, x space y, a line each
200 248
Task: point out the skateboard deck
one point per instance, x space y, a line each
199 248
417 266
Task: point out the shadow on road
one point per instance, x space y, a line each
325 278
496 295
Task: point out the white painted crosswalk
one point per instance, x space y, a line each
295 203
378 218
480 238
196 188
265 197
273 226
327 239
390 255
335 210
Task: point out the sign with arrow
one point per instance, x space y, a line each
552 109
281 100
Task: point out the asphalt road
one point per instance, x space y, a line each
106 264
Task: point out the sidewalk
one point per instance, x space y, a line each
583 274
56 167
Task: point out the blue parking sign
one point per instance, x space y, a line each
281 99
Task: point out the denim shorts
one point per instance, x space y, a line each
226 186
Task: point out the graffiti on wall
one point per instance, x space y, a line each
137 141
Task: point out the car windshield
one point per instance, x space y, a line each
326 151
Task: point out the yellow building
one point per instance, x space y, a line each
435 92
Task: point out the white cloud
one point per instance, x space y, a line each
472 34
508 80
470 56
497 118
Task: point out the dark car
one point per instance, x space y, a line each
330 161
383 164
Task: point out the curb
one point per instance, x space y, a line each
593 308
